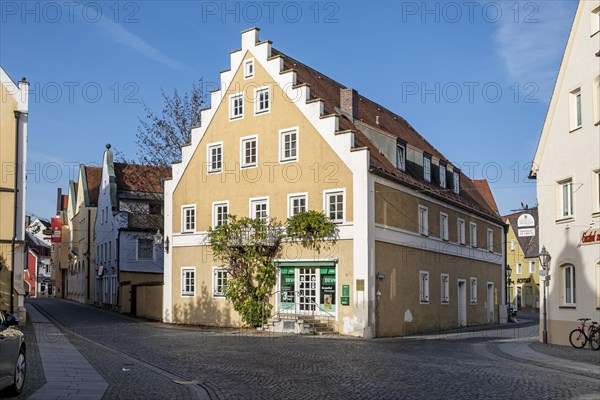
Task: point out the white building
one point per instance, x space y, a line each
567 168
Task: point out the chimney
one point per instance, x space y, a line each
349 101
59 201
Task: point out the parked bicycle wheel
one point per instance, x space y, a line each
595 340
577 338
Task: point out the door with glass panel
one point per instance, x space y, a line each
307 288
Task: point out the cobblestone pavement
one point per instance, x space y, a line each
248 365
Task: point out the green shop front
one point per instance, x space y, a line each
307 287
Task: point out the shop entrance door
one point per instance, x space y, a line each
307 288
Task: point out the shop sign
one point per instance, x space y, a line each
288 285
526 232
524 280
346 290
345 300
525 220
56 226
591 236
328 291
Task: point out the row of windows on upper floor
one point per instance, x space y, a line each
566 196
423 219
334 207
444 288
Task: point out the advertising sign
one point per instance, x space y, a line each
288 286
525 221
591 236
327 291
526 232
56 226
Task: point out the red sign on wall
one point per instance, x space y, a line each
56 226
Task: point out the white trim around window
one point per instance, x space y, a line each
443 226
473 234
332 209
423 218
565 198
490 240
259 208
569 285
519 268
289 144
149 243
219 282
297 203
473 287
236 106
532 267
575 109
249 151
262 100
188 218
188 281
427 168
442 167
214 157
460 227
219 215
423 287
445 288
249 68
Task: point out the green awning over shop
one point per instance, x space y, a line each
296 264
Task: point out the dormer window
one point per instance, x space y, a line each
456 182
248 69
442 175
400 155
427 168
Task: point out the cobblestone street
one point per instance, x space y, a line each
228 364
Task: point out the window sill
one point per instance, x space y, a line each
568 307
576 129
424 302
564 220
188 232
596 214
235 118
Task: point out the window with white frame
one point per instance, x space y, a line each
423 287
461 231
427 168
249 68
423 220
512 245
519 268
297 204
569 287
214 154
443 226
220 213
400 155
334 205
456 182
442 175
575 108
473 234
259 209
566 199
288 145
445 288
236 106
490 240
188 281
249 151
262 100
145 249
188 222
532 267
473 290
219 282
595 21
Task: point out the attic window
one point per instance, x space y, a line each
456 182
249 68
400 155
427 168
442 175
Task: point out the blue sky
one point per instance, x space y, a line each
474 78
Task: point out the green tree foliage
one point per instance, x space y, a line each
248 249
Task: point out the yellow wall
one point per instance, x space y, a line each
532 286
146 307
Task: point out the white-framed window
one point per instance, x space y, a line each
334 205
297 203
219 282
444 288
423 220
490 240
575 108
532 267
288 145
400 155
259 208
566 198
236 106
427 168
188 218
519 268
249 68
512 245
456 182
473 234
473 290
220 213
443 226
249 151
188 281
214 155
460 230
595 21
442 175
569 287
423 287
145 249
262 100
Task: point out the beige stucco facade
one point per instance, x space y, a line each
567 168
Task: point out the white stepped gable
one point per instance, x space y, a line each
327 126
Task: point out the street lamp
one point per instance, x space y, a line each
545 262
160 240
508 283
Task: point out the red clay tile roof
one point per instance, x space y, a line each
141 178
484 188
93 177
328 90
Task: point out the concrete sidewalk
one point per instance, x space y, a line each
68 374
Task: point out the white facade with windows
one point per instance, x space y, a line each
568 191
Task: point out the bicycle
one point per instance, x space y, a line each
579 338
